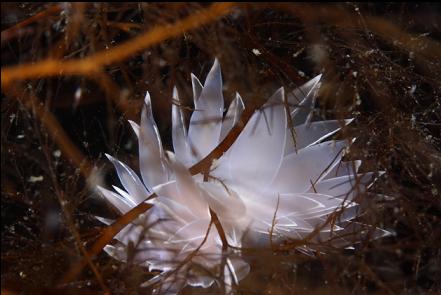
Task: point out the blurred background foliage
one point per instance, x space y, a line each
70 82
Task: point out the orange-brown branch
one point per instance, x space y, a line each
96 62
9 33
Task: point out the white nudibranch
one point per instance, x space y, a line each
269 186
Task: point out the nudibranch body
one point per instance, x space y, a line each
280 179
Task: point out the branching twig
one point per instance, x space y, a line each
15 30
94 63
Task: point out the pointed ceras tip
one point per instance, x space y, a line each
278 96
239 100
175 93
148 101
349 121
111 159
215 73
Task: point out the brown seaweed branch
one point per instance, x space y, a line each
94 63
18 28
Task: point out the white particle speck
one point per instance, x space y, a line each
317 53
430 175
36 178
369 52
256 52
297 53
20 136
162 62
413 121
301 74
357 99
57 153
128 145
77 97
412 89
355 73
78 93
